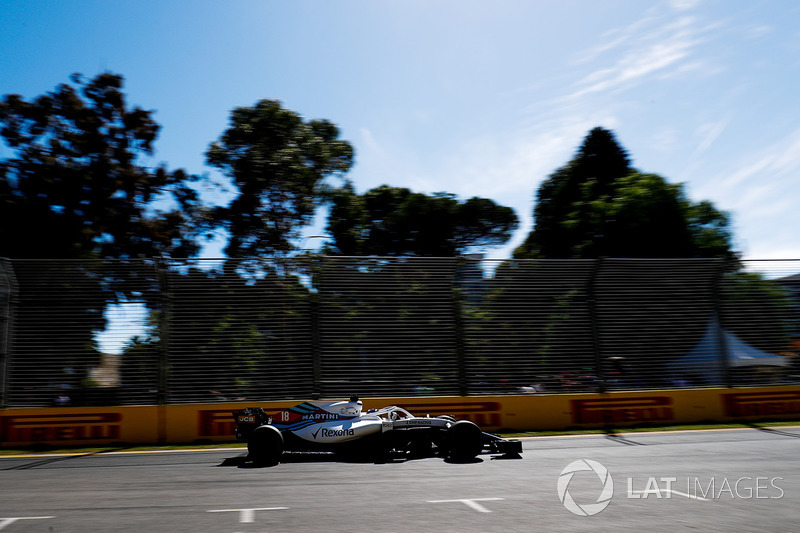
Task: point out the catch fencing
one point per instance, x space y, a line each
171 331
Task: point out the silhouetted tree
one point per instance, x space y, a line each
598 205
394 221
75 187
277 161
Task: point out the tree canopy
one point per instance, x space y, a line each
396 221
75 187
599 205
278 162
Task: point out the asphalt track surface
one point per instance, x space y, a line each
712 480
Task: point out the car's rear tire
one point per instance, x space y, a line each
464 441
265 446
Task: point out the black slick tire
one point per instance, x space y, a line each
464 441
265 446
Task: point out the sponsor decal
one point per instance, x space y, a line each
742 404
60 427
320 416
616 410
333 432
304 414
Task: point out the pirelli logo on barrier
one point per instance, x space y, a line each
641 409
60 427
743 404
216 423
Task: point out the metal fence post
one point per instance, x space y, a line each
593 319
722 344
7 295
316 350
458 321
163 330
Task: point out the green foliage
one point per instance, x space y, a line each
242 340
73 188
278 162
709 229
757 310
387 324
392 221
598 205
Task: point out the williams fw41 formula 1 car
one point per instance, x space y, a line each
379 434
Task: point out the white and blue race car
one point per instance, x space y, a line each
380 433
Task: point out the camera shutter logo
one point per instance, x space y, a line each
582 465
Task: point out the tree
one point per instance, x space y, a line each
598 205
278 162
395 221
74 188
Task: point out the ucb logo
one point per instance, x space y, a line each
588 509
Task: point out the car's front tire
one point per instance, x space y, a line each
265 446
464 441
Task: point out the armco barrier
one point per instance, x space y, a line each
214 423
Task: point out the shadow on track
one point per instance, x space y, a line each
241 461
613 436
773 431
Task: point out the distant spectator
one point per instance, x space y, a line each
62 400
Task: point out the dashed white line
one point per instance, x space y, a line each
10 520
247 516
472 503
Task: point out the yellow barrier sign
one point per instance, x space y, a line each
71 426
767 403
78 425
633 410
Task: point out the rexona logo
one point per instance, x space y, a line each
588 509
325 432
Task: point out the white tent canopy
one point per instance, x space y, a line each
705 359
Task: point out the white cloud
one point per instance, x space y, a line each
646 55
666 139
371 143
775 161
762 196
684 5
758 31
709 132
647 79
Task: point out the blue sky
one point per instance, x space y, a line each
475 98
